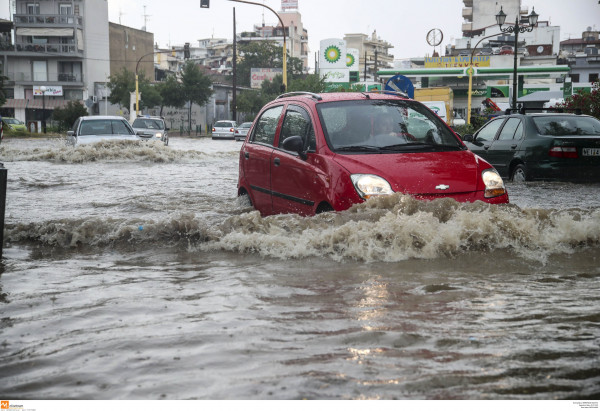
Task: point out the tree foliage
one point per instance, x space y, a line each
2 94
251 101
196 86
586 101
263 54
122 84
67 115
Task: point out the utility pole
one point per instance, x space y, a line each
234 70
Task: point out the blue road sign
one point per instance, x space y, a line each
401 83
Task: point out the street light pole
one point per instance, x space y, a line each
516 29
470 73
284 41
137 93
43 90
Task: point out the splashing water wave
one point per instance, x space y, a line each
388 229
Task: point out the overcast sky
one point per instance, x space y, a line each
403 23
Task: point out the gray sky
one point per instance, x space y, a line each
403 23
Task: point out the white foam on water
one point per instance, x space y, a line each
150 151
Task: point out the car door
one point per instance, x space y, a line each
295 182
504 148
256 159
482 140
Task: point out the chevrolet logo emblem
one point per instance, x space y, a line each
442 187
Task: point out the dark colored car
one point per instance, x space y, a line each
308 153
545 146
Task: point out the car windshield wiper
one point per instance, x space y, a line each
358 148
412 145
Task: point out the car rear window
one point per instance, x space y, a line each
378 124
223 124
149 123
567 125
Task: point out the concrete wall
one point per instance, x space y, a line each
127 46
96 65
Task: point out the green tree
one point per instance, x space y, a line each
264 54
67 115
586 101
172 93
251 101
2 94
122 84
196 87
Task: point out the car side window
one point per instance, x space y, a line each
266 126
297 123
488 132
509 129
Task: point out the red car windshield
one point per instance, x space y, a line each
384 125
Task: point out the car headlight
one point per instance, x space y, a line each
494 186
368 185
158 135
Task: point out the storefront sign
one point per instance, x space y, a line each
50 91
459 61
258 75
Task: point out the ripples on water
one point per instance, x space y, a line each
133 271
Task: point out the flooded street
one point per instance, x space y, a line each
132 271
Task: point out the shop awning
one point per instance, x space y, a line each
45 32
34 103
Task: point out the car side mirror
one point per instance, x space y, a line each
167 128
295 144
468 137
70 133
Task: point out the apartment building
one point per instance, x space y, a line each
373 53
59 46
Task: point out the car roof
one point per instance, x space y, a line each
340 96
101 118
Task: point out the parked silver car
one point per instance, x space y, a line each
242 130
224 129
154 127
91 129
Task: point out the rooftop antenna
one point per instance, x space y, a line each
120 14
145 19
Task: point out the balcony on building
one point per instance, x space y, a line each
468 3
58 34
467 13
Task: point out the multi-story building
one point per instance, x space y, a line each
60 47
296 36
583 56
480 14
131 49
373 49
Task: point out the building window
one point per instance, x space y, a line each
65 9
33 8
593 77
575 78
40 71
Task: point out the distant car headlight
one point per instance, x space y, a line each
494 186
368 185
158 135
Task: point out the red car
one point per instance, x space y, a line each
309 153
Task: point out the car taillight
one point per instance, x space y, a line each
563 152
231 130
213 129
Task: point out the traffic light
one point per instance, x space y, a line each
186 51
205 3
